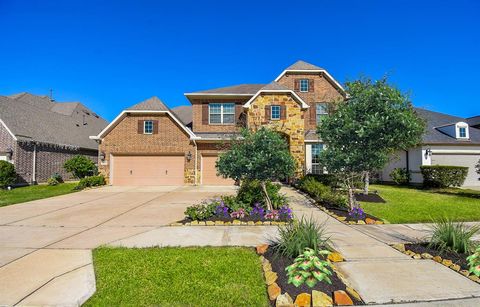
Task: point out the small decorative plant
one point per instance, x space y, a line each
285 213
221 210
239 214
258 211
356 213
453 236
474 262
308 268
272 215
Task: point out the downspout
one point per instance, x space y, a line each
195 162
407 160
34 164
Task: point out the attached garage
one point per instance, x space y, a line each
467 160
147 170
209 172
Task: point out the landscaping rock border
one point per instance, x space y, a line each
446 262
233 223
315 298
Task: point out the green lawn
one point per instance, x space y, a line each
208 276
23 194
415 205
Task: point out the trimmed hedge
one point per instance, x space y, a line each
92 181
327 179
443 176
400 176
322 193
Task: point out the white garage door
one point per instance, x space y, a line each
148 170
460 160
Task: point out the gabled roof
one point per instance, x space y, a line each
435 136
184 114
242 90
276 88
35 118
301 65
151 104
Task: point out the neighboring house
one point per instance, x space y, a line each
474 121
38 135
150 144
449 140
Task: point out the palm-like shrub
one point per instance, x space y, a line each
293 238
474 262
450 236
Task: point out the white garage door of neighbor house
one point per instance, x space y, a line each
209 172
460 160
148 170
3 158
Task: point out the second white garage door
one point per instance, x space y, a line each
209 172
460 160
148 170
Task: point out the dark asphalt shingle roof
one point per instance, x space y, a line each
150 104
474 121
250 89
184 114
36 118
274 86
435 120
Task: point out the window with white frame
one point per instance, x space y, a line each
462 132
321 111
221 113
304 85
148 127
275 114
316 167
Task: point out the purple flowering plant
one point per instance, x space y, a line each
357 213
258 210
272 215
221 210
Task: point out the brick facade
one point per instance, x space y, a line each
171 139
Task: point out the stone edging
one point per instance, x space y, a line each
316 298
446 262
233 223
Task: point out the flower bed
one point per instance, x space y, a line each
283 293
455 261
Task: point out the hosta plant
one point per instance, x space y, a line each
309 268
474 262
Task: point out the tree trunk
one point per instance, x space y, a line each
267 198
366 179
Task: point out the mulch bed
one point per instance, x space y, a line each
344 212
420 248
229 219
371 198
279 264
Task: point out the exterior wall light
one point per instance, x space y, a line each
428 153
9 154
189 156
102 156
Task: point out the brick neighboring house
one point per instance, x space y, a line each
38 135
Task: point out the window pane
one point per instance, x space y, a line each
215 108
275 112
304 85
228 118
215 118
228 108
321 111
148 127
317 168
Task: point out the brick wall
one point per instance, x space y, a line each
125 139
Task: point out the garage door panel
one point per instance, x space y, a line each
209 172
148 170
460 160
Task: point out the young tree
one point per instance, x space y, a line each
262 155
80 167
363 132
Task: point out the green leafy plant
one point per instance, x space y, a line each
251 192
474 262
57 177
322 193
330 180
7 174
443 176
400 176
308 268
201 211
80 167
92 181
294 237
52 181
452 236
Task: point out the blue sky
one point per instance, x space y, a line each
112 54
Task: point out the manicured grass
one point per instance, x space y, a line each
28 193
415 205
207 276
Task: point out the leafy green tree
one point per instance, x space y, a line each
7 174
262 155
363 132
80 167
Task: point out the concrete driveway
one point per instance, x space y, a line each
45 244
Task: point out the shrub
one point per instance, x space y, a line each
80 167
357 213
322 193
250 192
57 177
199 212
443 176
330 180
451 236
400 176
308 268
52 181
7 174
294 237
92 181
474 262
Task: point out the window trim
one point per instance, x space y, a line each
145 126
222 113
464 129
317 164
319 115
279 112
300 85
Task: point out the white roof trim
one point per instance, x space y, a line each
216 94
9 131
311 71
303 104
124 113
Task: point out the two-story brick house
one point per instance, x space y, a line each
150 144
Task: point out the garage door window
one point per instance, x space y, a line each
148 127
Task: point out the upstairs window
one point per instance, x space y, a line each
221 113
275 114
304 85
462 132
321 111
148 127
